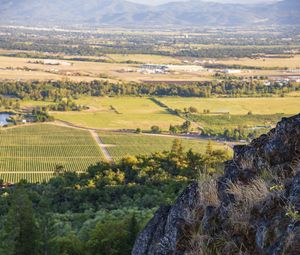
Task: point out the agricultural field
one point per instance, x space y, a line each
144 58
33 152
116 69
120 113
13 68
120 145
237 106
288 62
27 104
293 94
217 123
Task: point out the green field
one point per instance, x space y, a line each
270 105
33 152
120 113
218 123
121 145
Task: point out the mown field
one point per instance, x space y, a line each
218 123
33 152
19 68
289 62
144 58
120 145
120 113
236 106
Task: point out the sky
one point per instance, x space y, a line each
157 2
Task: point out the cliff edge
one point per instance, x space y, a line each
254 208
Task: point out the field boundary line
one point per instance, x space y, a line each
101 145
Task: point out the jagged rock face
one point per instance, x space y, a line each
273 224
275 152
163 232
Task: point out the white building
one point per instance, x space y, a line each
231 71
55 62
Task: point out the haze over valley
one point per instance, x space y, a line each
146 128
124 13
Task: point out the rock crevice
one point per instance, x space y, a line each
258 211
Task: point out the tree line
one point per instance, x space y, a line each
57 90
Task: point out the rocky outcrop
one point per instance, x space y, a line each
256 209
162 233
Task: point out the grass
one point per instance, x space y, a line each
217 123
237 106
33 152
293 94
246 198
292 62
120 145
144 58
120 113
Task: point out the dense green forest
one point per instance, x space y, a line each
56 90
100 211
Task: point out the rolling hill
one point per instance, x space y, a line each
125 13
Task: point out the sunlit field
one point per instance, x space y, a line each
289 105
122 145
120 113
33 152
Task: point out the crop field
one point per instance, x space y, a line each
238 106
120 113
144 58
219 122
33 152
19 68
292 62
118 70
293 94
121 145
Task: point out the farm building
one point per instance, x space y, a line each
150 68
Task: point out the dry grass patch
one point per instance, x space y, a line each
246 197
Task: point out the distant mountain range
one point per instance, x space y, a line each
125 13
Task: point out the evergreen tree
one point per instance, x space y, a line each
133 230
21 228
177 148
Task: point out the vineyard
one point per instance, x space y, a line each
120 145
33 152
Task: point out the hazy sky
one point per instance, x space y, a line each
155 2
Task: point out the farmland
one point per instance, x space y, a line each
33 152
125 68
288 62
218 123
272 105
120 113
144 58
13 68
235 118
120 145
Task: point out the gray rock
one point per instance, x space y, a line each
162 233
274 225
